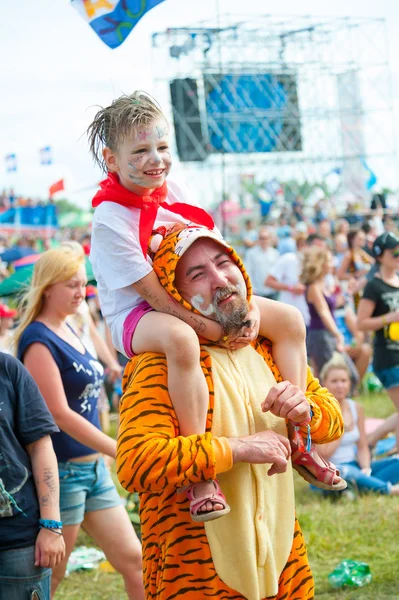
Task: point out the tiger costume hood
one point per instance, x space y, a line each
174 245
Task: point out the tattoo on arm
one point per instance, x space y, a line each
193 320
49 499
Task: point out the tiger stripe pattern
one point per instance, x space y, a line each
154 460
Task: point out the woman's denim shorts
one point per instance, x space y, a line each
85 487
388 377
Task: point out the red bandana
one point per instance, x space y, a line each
113 191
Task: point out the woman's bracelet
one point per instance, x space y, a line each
384 320
50 524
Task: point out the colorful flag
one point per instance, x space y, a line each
58 186
11 163
113 20
45 156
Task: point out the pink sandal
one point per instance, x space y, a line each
304 457
324 478
197 502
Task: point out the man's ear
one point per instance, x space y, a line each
110 160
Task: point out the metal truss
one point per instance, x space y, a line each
339 117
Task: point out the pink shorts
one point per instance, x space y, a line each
130 324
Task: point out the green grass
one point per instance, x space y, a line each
365 529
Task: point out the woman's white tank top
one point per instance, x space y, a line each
347 450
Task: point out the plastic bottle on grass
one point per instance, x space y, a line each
350 573
373 383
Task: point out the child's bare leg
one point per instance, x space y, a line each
284 326
159 332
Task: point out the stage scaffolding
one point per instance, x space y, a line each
337 118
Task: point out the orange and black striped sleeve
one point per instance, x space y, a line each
151 455
327 423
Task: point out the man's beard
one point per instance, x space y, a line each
231 316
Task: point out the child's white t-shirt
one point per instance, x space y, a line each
118 260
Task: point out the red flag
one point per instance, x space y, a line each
58 186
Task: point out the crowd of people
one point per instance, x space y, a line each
219 403
10 199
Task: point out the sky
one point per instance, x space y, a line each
55 71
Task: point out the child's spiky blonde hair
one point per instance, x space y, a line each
113 123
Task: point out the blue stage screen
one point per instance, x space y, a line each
252 113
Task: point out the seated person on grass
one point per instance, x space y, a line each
351 453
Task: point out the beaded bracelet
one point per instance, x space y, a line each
49 524
53 531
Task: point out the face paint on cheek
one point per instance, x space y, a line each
136 175
135 165
136 162
197 301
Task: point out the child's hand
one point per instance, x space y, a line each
249 331
247 335
236 341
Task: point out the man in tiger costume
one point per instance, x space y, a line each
256 551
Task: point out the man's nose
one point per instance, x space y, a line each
218 278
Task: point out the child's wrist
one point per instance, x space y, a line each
216 335
50 524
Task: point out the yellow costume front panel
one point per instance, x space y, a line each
153 459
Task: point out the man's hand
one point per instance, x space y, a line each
265 447
49 549
287 401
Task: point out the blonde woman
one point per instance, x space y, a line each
323 336
351 453
83 324
70 380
